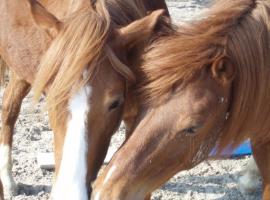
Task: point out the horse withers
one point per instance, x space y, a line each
82 72
206 84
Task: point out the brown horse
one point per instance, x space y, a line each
207 84
83 71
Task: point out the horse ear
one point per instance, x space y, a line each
45 19
223 70
139 30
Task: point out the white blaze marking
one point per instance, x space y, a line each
71 180
109 174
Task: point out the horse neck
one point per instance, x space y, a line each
21 42
63 8
27 39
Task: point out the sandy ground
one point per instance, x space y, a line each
210 180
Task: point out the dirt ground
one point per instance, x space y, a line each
210 180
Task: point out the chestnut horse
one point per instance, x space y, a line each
206 84
83 71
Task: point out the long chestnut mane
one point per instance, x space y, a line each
80 47
238 30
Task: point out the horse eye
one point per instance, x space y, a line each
192 130
114 105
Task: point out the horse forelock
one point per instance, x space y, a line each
80 46
238 30
83 42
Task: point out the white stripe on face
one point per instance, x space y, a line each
71 180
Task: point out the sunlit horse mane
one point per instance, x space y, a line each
237 30
81 43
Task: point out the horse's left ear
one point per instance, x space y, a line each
139 30
223 70
45 19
